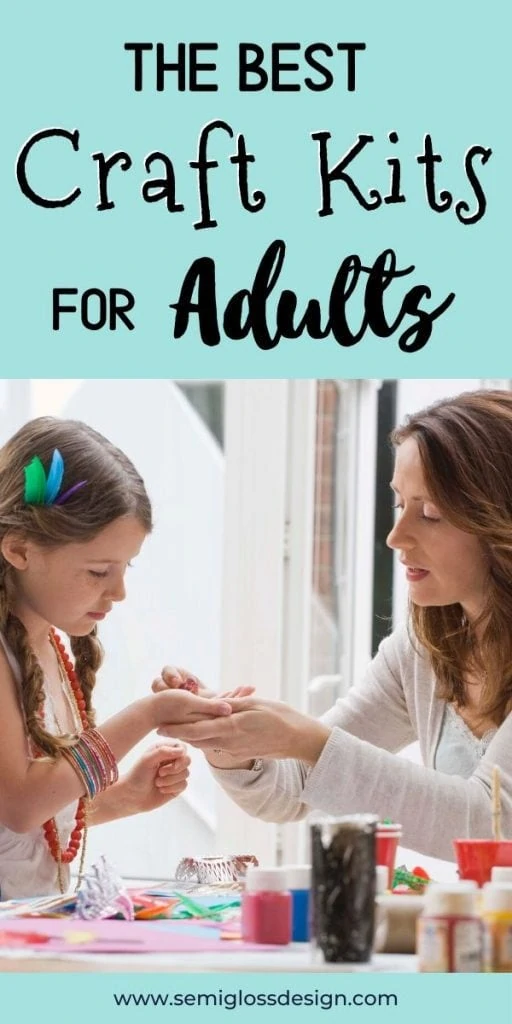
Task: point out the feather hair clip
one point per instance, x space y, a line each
44 490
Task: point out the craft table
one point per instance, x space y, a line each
293 958
297 957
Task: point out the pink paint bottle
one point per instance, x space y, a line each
266 907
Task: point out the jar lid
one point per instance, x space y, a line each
265 879
456 898
297 876
389 828
501 874
497 896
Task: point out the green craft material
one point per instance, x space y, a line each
189 908
403 877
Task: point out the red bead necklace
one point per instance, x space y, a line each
50 827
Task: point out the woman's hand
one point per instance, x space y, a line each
181 679
257 728
158 776
174 678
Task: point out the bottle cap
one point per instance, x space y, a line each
501 874
297 876
456 898
265 880
497 896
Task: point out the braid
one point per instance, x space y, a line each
4 601
88 655
32 689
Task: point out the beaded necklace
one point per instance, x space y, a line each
50 830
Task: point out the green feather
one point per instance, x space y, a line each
35 482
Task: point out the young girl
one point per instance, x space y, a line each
445 679
73 514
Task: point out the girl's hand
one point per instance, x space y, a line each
257 728
174 708
174 678
158 776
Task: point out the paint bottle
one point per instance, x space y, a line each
343 887
449 931
298 881
266 907
496 910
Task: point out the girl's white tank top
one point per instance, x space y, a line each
27 867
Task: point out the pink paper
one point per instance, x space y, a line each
65 936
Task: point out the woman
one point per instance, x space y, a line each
444 679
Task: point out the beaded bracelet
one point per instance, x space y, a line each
93 761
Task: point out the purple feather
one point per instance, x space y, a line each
67 494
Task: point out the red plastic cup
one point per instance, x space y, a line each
387 839
477 857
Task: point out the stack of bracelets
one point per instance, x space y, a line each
93 761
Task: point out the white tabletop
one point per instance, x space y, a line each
296 957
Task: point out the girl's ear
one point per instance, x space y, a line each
14 548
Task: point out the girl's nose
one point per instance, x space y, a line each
117 590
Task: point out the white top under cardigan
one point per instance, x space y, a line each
27 867
394 705
459 750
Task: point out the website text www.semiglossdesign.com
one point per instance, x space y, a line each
233 1000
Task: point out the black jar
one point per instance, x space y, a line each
343 887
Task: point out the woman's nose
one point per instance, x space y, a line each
390 539
400 536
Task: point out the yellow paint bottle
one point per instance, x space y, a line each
496 909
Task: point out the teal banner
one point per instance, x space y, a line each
220 997
213 191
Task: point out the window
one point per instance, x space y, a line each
207 398
383 556
325 598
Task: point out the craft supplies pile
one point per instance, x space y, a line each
340 907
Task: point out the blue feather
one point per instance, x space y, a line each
54 478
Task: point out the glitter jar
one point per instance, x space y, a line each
343 887
266 907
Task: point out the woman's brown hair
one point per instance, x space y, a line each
113 489
465 445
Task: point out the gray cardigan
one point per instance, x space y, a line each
358 771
